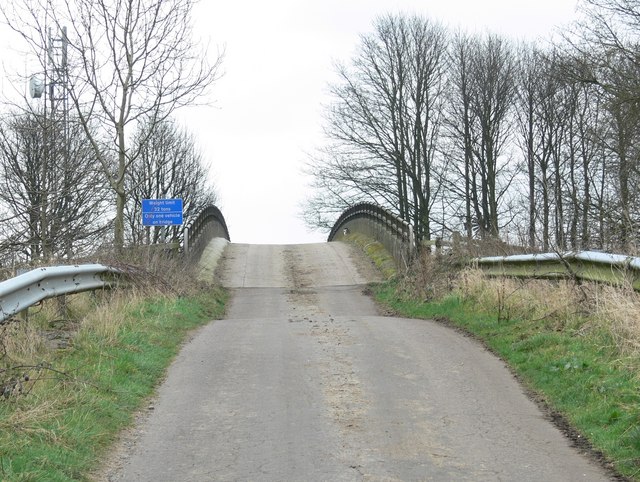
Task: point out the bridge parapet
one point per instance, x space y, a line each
209 224
375 222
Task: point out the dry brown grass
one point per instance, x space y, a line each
157 273
618 311
522 298
81 318
561 304
434 272
106 318
430 276
28 346
29 418
21 342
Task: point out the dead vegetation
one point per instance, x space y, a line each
563 303
430 277
30 342
559 304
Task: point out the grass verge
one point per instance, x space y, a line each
82 396
376 252
571 358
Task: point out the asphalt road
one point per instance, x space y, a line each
304 381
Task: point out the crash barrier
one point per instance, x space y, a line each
209 224
614 269
397 237
19 293
373 221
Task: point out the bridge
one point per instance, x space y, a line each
305 380
396 236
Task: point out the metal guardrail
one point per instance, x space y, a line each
19 293
587 265
209 224
397 236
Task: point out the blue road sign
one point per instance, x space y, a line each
161 212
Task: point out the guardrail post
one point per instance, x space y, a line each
24 315
457 238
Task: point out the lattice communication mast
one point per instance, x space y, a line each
55 120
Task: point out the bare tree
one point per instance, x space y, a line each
623 142
341 177
385 120
459 121
481 100
605 51
530 66
585 167
559 125
130 62
547 139
493 74
607 42
55 204
169 166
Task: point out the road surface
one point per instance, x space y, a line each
304 381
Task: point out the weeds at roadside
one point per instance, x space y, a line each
430 277
376 252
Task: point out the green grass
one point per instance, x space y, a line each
376 252
579 373
64 425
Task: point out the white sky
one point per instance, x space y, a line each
279 60
266 113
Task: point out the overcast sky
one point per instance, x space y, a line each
266 111
279 59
